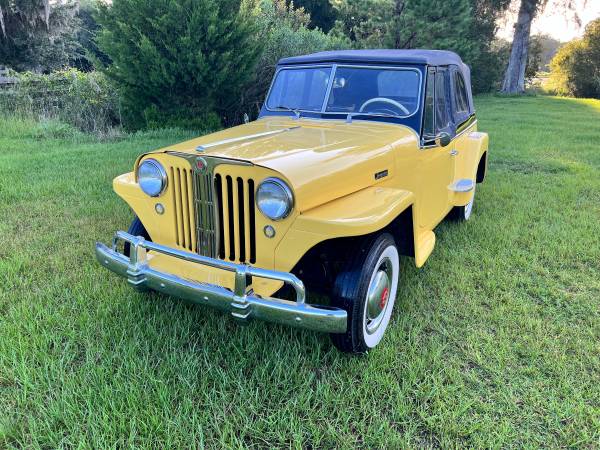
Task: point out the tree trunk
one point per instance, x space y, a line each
514 78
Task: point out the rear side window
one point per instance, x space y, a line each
442 118
461 103
428 119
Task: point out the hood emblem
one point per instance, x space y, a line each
201 165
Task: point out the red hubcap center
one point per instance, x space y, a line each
384 297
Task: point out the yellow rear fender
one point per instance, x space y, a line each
471 168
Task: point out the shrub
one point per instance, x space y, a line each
177 59
86 101
575 69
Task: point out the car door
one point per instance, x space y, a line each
437 162
465 156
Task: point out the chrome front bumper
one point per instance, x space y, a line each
241 303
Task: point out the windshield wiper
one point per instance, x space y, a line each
351 114
287 108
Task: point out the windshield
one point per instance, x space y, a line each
302 89
357 90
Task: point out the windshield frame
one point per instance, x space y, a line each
334 66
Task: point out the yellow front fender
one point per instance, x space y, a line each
357 214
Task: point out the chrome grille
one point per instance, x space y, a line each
214 209
206 236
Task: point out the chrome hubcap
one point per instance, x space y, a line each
378 295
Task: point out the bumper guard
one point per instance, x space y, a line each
241 303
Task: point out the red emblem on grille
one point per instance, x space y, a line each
200 164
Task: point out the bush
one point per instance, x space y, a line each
181 59
575 69
86 101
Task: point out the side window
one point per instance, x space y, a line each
428 113
461 103
442 117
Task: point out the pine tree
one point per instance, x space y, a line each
178 60
407 24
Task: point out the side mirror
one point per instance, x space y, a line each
443 139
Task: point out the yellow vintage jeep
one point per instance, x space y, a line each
355 157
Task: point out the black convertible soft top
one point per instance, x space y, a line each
429 57
384 56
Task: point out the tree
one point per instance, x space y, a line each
406 23
534 57
490 54
177 61
514 77
322 13
88 28
37 35
575 69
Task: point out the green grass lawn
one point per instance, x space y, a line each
495 342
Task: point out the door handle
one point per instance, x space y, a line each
453 152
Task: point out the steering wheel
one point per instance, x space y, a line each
398 105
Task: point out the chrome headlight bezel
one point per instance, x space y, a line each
161 176
287 195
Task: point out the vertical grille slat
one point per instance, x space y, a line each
214 212
174 199
245 201
230 213
225 208
236 219
252 218
178 208
187 240
190 210
220 218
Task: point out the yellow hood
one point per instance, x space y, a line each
322 160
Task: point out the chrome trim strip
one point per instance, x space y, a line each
242 304
329 87
203 147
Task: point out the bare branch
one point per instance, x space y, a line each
2 23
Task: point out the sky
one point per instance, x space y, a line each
556 21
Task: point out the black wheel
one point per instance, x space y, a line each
136 229
463 213
366 288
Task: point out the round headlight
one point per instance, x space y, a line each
274 199
152 177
